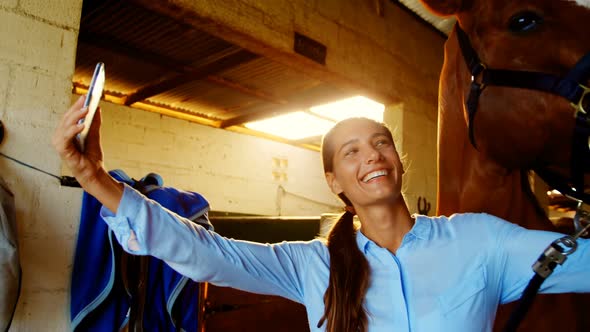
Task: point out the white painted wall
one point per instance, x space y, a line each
415 126
232 170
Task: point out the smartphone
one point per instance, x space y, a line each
92 98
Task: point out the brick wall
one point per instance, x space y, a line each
36 65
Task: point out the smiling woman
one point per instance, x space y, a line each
363 168
397 272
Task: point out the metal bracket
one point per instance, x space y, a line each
579 105
423 205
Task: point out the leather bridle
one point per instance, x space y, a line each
570 87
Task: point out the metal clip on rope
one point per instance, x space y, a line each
556 253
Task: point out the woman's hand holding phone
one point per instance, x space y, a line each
83 165
87 165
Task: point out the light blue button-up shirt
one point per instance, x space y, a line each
449 274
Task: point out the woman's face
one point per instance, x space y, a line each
366 166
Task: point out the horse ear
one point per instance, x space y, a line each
443 8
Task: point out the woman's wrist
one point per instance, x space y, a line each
106 189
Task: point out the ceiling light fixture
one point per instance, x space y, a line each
300 125
358 106
292 126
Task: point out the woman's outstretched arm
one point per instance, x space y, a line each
518 249
144 227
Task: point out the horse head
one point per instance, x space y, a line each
490 133
518 126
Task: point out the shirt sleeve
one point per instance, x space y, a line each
519 249
143 227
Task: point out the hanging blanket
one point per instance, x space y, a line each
111 289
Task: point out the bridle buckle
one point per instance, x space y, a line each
579 105
477 71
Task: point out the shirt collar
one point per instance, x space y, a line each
362 241
420 230
422 227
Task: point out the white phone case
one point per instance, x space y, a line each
92 98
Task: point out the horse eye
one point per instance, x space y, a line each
525 22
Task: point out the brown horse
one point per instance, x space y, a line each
484 154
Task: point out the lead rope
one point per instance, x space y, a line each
555 254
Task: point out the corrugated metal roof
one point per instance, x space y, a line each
163 63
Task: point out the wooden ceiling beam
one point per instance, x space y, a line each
194 74
111 44
245 90
179 113
90 8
